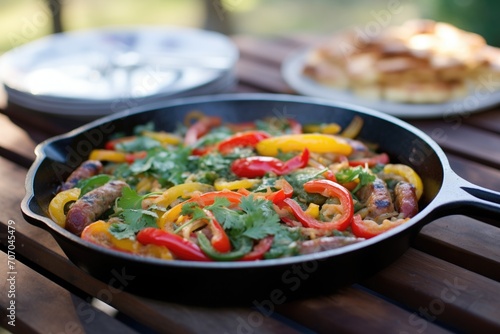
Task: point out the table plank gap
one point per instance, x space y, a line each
464 141
465 242
35 299
440 291
343 310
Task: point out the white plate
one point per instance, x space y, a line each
91 72
479 100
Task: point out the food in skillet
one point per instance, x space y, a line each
420 61
214 191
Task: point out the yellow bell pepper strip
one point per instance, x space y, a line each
382 158
408 174
200 128
98 233
182 249
116 156
241 139
318 143
163 137
330 128
181 191
59 202
353 129
258 166
203 200
107 155
369 228
329 189
221 184
312 210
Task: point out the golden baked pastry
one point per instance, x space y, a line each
421 61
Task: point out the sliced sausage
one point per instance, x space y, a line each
84 171
326 243
377 198
405 199
93 204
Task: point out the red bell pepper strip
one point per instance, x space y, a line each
220 240
285 191
203 200
295 127
182 249
248 138
329 189
209 198
111 144
382 158
369 228
259 249
259 166
200 128
131 157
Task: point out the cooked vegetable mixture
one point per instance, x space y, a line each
214 191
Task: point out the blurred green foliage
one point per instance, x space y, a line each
25 20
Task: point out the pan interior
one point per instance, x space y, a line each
401 141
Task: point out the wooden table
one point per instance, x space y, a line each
448 281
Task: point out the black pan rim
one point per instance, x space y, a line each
58 231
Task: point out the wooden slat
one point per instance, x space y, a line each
341 313
37 299
265 78
442 292
463 241
487 177
465 141
15 139
487 120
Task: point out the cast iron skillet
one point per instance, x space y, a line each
270 281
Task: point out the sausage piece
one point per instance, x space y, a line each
406 201
377 198
93 204
326 243
84 171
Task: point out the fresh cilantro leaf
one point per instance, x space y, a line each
297 180
138 144
121 231
149 126
93 182
193 210
260 218
364 179
351 174
133 221
130 199
229 219
214 136
168 165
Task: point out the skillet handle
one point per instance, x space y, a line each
459 196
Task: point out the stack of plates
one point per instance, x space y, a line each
92 73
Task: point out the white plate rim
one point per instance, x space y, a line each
291 71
